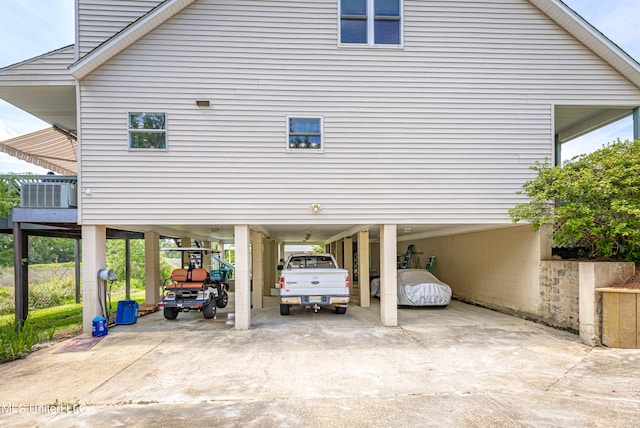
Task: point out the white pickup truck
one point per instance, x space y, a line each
313 280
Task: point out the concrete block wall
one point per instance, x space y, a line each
559 294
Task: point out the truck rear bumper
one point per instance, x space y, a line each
322 300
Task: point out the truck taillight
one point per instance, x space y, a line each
347 282
282 282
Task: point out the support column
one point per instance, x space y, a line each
243 284
152 278
206 263
77 255
127 268
94 258
281 252
257 269
267 264
340 253
276 262
557 150
363 269
636 123
545 235
348 260
388 275
185 242
21 273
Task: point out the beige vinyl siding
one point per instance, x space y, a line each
99 20
48 69
441 131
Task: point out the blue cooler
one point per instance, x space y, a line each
99 327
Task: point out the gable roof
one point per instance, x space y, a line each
556 10
129 35
591 37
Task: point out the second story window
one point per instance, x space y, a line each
371 22
147 131
304 133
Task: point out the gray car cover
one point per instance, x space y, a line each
417 287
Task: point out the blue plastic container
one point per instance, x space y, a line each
127 312
99 327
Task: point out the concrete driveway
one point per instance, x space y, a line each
459 366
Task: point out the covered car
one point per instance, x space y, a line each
417 287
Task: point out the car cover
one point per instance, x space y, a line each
417 287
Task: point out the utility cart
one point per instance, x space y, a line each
192 287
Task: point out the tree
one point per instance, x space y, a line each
44 249
9 195
592 201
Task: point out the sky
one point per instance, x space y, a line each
29 28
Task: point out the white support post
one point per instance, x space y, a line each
94 258
276 262
348 261
206 262
243 281
388 275
185 242
152 278
363 269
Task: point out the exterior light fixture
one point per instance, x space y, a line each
316 207
203 103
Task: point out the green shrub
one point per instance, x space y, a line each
16 343
54 293
7 301
592 201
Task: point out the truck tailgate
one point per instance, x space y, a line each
306 282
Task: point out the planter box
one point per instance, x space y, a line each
620 320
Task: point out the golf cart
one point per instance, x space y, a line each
192 287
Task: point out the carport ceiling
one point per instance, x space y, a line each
319 234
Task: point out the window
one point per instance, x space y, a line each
370 22
304 134
311 262
147 131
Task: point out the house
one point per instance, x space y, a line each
361 125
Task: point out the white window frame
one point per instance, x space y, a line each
304 150
371 10
131 130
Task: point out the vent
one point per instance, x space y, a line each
48 195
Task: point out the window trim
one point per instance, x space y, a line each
371 19
305 116
148 130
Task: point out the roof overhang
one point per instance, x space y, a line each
43 87
573 121
55 105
